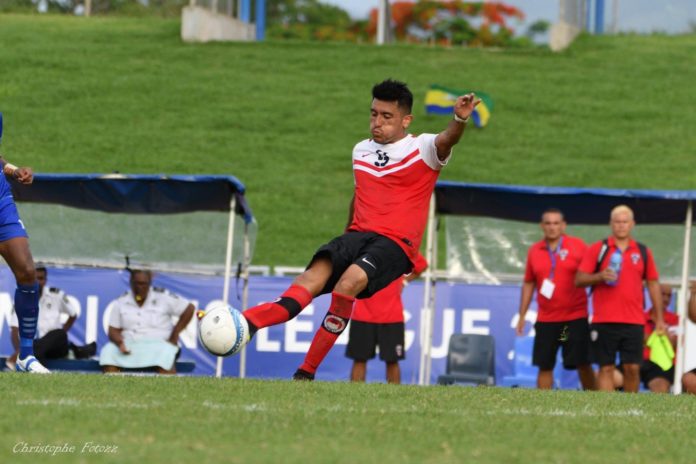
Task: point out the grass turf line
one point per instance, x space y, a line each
187 419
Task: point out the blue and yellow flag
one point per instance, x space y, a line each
440 100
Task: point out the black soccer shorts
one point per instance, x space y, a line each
380 257
572 336
649 371
608 339
364 337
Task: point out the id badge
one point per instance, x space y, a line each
547 288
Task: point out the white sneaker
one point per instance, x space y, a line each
32 365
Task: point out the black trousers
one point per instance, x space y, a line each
53 345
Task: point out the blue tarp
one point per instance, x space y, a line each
579 205
136 194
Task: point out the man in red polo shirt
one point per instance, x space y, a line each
616 268
562 315
379 321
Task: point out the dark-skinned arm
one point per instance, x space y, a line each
181 324
116 336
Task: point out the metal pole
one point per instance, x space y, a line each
682 303
426 332
383 22
228 269
245 295
615 17
599 17
260 19
431 306
245 12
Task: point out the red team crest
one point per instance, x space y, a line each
334 324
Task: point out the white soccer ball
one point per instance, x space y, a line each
222 330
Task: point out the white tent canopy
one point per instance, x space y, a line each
579 206
153 195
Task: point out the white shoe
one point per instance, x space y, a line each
32 365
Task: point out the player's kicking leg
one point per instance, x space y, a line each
303 289
351 283
371 263
16 252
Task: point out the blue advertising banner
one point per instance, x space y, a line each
276 352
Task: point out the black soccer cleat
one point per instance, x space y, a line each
303 376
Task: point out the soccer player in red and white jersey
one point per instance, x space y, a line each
562 307
379 321
395 175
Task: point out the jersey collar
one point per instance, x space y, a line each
542 244
612 243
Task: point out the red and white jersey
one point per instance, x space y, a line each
393 185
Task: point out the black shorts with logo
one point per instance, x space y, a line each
608 339
649 371
572 336
380 257
364 337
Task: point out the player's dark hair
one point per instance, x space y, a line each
41 267
394 91
553 211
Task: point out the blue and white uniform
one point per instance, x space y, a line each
11 225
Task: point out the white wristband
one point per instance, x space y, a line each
9 169
461 120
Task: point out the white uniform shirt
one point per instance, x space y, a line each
154 319
52 305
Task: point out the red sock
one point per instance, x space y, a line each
332 326
289 305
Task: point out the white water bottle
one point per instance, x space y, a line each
615 265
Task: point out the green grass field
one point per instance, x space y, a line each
208 420
98 95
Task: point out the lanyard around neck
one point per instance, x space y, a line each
552 253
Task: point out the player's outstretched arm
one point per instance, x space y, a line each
449 137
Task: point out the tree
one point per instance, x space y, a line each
308 19
452 22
